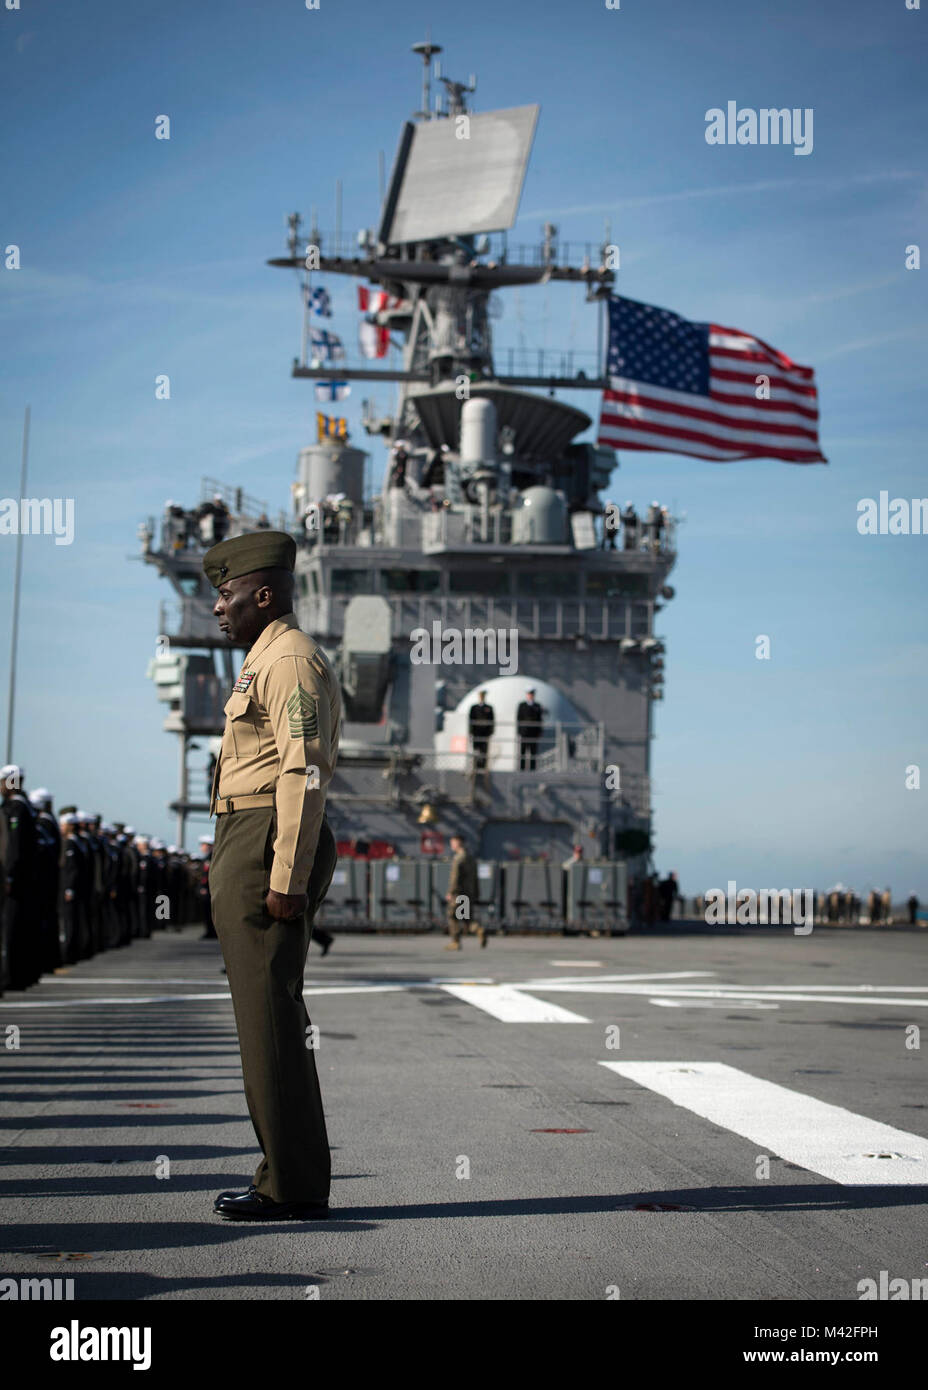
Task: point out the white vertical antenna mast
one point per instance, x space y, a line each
426 50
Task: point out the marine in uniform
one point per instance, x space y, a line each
462 882
272 863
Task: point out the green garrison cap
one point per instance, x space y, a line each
257 550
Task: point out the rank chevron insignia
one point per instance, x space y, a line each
303 714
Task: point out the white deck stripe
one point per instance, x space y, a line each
734 994
692 1002
544 981
576 964
511 1005
823 1138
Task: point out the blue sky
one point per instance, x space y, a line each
141 257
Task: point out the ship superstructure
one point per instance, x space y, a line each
488 561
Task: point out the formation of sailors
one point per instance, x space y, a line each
74 885
841 906
197 527
649 532
332 520
652 899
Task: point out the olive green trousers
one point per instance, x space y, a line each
265 960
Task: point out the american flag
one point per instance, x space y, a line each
692 388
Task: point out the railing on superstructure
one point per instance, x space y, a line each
567 365
566 752
563 748
422 527
470 527
191 620
562 255
190 531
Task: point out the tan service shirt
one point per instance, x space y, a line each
281 736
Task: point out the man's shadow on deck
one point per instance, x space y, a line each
204 1228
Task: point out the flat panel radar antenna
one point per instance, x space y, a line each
444 185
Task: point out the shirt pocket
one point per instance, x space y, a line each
241 725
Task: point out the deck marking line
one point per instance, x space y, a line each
823 1138
512 1005
733 993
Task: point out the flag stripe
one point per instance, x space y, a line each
744 394
741 395
728 416
804 393
733 337
647 434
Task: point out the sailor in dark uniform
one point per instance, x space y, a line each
481 721
202 888
125 883
529 717
80 881
629 518
48 852
70 943
19 925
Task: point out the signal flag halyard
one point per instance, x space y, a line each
700 389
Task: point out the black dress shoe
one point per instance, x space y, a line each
252 1206
223 1195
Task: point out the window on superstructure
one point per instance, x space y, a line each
492 580
350 581
610 585
397 581
547 584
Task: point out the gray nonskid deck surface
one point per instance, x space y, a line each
105 1092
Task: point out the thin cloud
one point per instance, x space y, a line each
835 185
66 285
848 291
862 344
